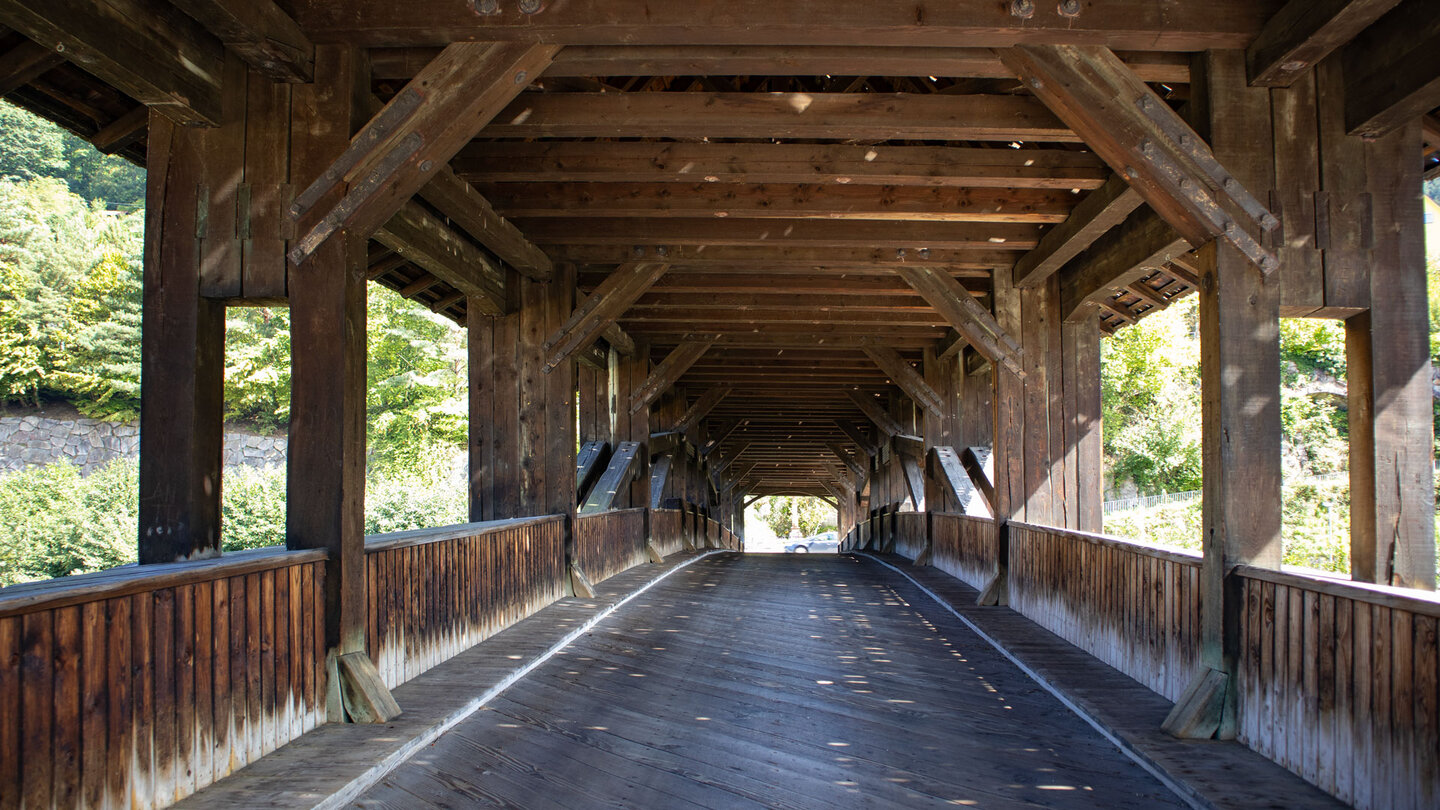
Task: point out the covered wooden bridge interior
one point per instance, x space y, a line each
706 252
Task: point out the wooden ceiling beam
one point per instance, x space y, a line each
421 238
1143 242
629 162
1100 211
420 129
910 236
700 199
1304 32
667 373
838 116
594 314
1147 142
904 375
960 309
147 49
702 407
758 286
877 415
1124 24
262 34
472 213
975 261
24 63
1392 70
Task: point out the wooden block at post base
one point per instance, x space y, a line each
653 553
1197 714
580 583
365 697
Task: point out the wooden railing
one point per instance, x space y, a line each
1338 683
137 686
607 543
667 530
1135 607
435 592
963 547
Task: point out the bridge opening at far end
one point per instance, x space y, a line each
791 524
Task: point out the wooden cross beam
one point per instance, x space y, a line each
617 474
422 238
718 435
904 375
861 441
1145 141
702 407
851 464
1101 210
977 464
262 34
148 49
873 412
1304 32
675 364
914 479
609 301
1391 77
590 462
944 466
28 61
400 149
658 476
958 307
1144 241
614 336
472 213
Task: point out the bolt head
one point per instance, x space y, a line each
521 76
1023 9
1069 8
486 7
529 6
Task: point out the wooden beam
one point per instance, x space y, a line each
906 377
659 474
610 300
263 35
1392 70
147 49
903 239
1141 244
398 151
25 63
960 309
1101 210
854 466
945 468
627 162
877 415
914 480
676 363
613 335
971 262
423 239
718 436
1128 24
713 396
723 463
590 462
840 116
617 475
861 441
977 463
123 131
1304 32
472 213
1144 140
700 199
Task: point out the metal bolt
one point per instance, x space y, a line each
529 6
1069 8
924 253
1024 9
662 251
426 165
486 7
637 251
521 76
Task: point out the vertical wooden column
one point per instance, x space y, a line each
1392 531
326 472
560 497
182 360
1084 450
626 374
480 368
1240 392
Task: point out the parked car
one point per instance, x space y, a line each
825 542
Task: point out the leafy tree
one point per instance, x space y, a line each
815 515
257 366
32 147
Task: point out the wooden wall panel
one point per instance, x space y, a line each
962 546
118 684
607 543
436 592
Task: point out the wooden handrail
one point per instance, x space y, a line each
29 597
1159 552
437 534
1408 599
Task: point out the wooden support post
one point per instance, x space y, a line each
1391 458
325 479
182 361
1240 391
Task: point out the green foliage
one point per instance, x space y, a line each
53 522
815 515
257 366
428 498
1310 345
1150 401
252 508
32 147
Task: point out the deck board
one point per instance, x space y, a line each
774 682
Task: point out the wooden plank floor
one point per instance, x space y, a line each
778 682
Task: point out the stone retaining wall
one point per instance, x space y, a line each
35 441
